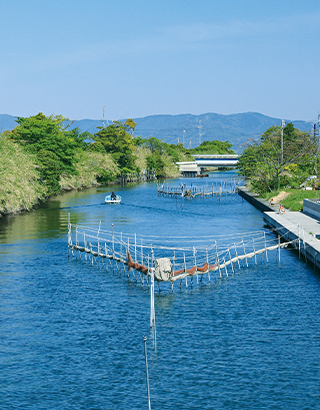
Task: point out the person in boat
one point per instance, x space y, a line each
113 196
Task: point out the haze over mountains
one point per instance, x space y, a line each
189 129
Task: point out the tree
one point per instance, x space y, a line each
213 147
116 140
130 124
54 145
261 162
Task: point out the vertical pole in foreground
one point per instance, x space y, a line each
135 247
147 375
152 313
185 269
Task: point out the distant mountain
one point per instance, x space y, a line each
189 129
7 122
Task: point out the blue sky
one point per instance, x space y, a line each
139 58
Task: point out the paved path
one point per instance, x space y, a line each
292 225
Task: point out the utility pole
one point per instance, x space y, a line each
282 126
183 132
200 126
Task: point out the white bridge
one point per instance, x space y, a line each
194 168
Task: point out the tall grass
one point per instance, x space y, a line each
90 166
20 187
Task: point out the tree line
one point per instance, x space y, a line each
66 158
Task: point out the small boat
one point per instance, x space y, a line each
109 200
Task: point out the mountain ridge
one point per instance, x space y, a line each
189 129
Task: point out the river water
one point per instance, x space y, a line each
72 332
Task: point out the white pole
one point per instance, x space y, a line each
195 262
121 248
218 259
235 247
135 247
208 263
152 313
185 269
106 252
265 245
225 266
244 250
147 375
141 253
230 260
112 243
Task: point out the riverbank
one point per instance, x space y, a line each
255 200
290 226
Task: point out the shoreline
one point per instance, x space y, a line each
290 226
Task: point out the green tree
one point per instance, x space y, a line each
54 145
213 147
130 124
116 140
268 168
156 163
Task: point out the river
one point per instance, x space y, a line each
72 332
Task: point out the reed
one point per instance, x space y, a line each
20 187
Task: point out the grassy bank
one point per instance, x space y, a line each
294 198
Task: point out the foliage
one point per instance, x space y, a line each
92 168
116 140
156 163
54 146
213 147
267 167
42 156
20 186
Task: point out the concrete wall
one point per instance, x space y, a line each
254 200
311 207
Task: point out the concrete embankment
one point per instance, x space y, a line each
290 226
